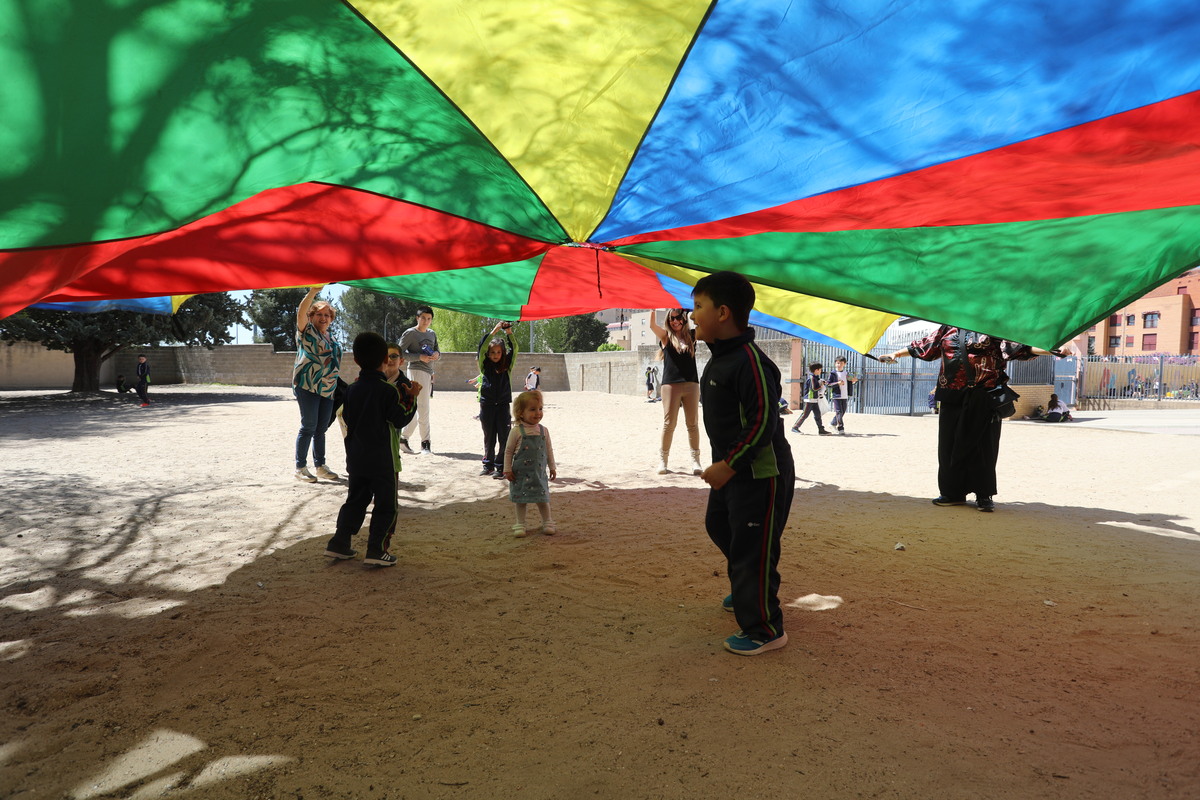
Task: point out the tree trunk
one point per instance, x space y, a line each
88 357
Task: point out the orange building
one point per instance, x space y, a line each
1165 320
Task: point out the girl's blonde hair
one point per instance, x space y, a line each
523 401
317 306
682 344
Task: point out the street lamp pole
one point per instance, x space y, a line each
385 326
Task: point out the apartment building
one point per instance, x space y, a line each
1165 320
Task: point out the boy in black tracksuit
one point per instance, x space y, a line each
752 477
374 411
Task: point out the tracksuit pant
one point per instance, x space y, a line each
381 489
745 520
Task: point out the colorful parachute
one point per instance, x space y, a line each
1021 168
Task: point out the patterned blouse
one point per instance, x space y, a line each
318 359
968 358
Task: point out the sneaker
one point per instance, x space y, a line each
404 446
499 475
326 473
549 528
341 555
841 431
488 469
824 432
518 531
727 604
795 429
949 501
383 559
742 645
425 447
145 405
985 503
303 474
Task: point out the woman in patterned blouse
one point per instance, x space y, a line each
314 380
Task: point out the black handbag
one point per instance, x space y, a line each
1003 400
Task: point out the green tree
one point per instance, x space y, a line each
273 312
582 333
460 332
202 321
609 346
389 316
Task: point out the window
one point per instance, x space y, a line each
1181 290
1114 342
1129 341
1150 319
1091 351
1196 316
1130 319
1150 342
1115 321
1194 344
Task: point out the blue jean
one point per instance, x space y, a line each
316 412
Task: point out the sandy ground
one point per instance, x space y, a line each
168 626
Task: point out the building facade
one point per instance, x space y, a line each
1165 320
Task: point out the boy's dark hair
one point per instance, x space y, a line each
370 350
728 289
840 359
813 367
424 310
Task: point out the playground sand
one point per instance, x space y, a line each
169 627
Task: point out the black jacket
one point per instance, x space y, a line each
374 411
740 390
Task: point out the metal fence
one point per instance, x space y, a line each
906 386
1158 377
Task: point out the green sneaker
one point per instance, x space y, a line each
742 645
727 604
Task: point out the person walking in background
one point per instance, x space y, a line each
680 384
529 462
142 387
533 381
420 348
840 384
968 426
814 387
752 477
497 355
314 381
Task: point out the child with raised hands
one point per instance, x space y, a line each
528 459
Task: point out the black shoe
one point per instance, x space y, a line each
795 429
488 469
985 503
949 501
404 446
384 559
824 432
340 554
425 447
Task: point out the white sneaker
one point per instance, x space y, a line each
326 473
303 474
518 531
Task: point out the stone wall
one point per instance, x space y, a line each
615 372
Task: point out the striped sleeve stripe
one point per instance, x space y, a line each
759 422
